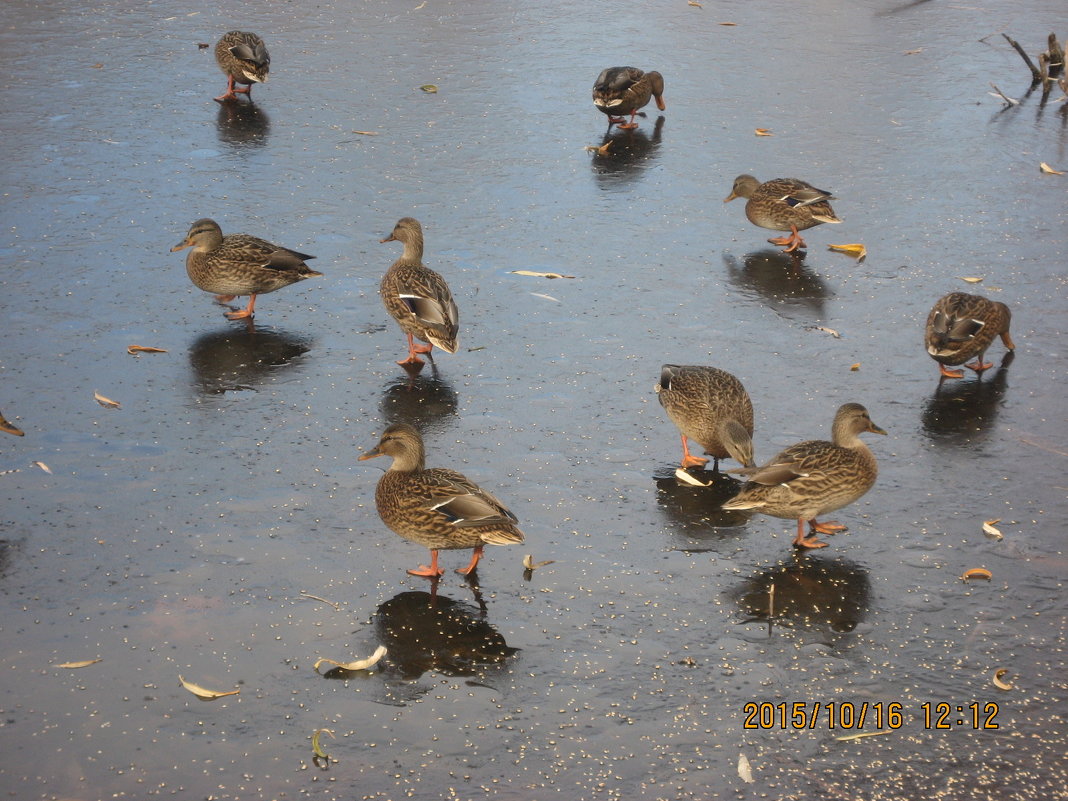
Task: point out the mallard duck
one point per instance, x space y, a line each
711 407
239 264
783 204
417 297
815 477
624 90
436 507
962 326
244 59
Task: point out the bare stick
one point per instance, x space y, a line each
1035 76
1056 57
1008 100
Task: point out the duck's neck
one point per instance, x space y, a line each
413 247
411 460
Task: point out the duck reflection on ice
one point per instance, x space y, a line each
628 155
964 410
427 631
809 594
241 357
423 401
241 123
780 280
695 510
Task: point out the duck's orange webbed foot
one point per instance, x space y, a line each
978 365
475 556
432 571
950 373
693 461
809 542
828 527
791 243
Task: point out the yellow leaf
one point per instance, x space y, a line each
855 367
201 692
133 349
1049 170
107 403
10 428
971 279
1001 685
76 665
429 88
694 3
319 752
540 275
729 24
857 251
977 573
43 466
530 564
358 664
763 132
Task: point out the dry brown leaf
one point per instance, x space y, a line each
971 279
43 466
728 24
107 403
913 52
76 665
530 564
1049 170
977 573
540 275
990 531
10 428
366 133
203 45
1001 685
201 692
763 132
132 349
827 330
856 250
855 367
694 3
98 66
358 664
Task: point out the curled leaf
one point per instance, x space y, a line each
745 772
685 477
10 428
203 693
316 748
763 132
429 88
107 403
977 573
971 279
530 564
856 250
990 531
43 466
358 664
540 275
134 349
76 665
1001 685
855 367
1049 170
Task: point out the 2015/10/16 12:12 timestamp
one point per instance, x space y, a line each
866 714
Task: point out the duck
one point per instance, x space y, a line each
624 90
418 298
239 264
438 508
962 326
711 407
784 204
815 477
243 58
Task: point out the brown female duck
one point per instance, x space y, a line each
814 477
783 204
962 326
239 264
711 407
244 59
624 90
436 507
417 297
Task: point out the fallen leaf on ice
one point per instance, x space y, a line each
358 664
686 478
745 772
977 573
857 251
43 466
530 564
203 693
990 531
134 349
540 275
763 132
1001 685
76 665
971 279
1049 170
107 403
